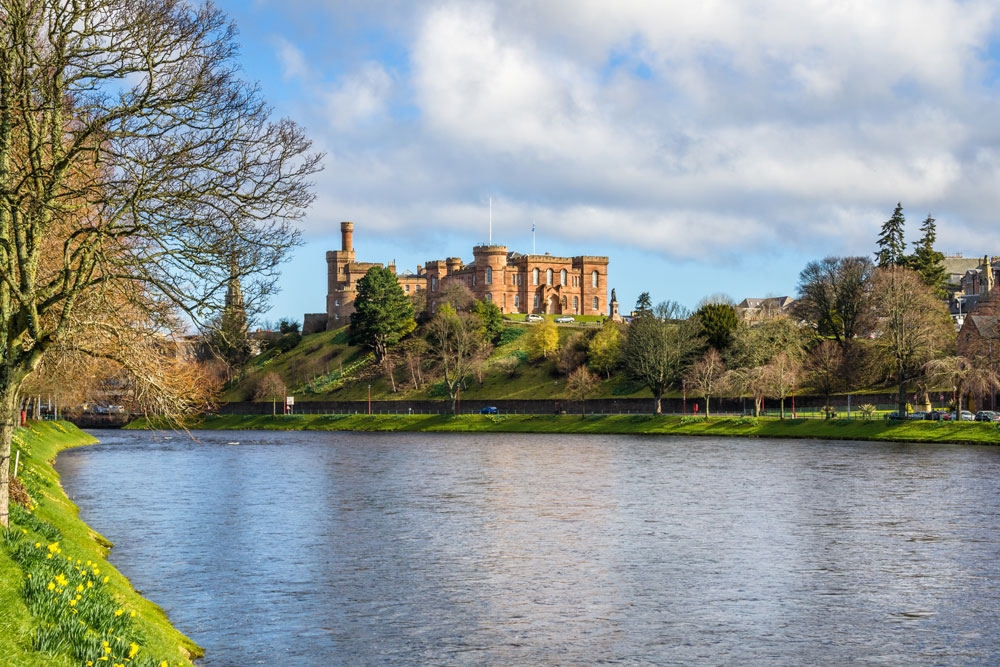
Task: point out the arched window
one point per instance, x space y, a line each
576 304
489 275
534 276
536 302
562 277
434 284
593 279
595 304
517 301
489 297
548 276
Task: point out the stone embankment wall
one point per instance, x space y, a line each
552 406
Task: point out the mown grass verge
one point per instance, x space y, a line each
61 602
834 429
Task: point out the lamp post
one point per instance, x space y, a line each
369 399
684 395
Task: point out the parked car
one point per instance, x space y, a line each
534 318
488 410
895 415
965 416
987 416
564 319
938 415
918 415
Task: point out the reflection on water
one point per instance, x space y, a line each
351 548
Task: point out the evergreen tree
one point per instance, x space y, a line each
890 240
927 261
492 319
718 320
643 305
382 312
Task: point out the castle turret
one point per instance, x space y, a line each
347 236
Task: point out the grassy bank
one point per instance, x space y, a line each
835 429
61 602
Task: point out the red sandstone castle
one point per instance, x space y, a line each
516 283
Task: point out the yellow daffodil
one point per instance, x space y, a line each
79 588
107 649
133 648
48 555
119 612
90 584
29 576
105 580
72 603
52 547
38 545
51 586
132 614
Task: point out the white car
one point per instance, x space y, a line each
564 319
534 318
965 416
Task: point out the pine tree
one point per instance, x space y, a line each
890 240
382 312
927 261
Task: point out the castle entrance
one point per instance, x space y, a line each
553 305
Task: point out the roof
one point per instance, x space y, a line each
985 324
959 265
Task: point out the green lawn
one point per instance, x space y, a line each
835 429
55 520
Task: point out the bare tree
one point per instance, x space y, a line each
831 295
752 381
705 378
968 376
457 295
455 343
911 325
824 368
272 387
781 376
129 143
580 383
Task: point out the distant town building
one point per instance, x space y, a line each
967 289
754 309
515 282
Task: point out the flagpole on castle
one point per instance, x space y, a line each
491 220
532 237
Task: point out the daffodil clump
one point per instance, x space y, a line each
77 612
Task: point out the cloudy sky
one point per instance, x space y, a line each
704 146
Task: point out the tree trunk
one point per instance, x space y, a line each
8 405
274 406
657 410
901 398
756 406
782 408
707 399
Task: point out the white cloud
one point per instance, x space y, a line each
292 59
695 130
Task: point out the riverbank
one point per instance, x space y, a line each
61 601
833 429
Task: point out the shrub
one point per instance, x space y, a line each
509 335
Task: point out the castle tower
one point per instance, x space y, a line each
490 262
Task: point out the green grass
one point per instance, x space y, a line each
578 319
834 429
38 625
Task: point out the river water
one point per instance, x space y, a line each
299 548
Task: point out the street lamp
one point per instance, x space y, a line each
369 399
684 395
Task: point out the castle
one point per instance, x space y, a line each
516 283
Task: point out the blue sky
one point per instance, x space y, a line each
705 147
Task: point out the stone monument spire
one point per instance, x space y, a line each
987 276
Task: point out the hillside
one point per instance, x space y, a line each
325 367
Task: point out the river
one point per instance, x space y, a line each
319 548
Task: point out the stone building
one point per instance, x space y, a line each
517 283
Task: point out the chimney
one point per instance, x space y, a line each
347 236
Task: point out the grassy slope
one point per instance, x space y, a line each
43 441
329 350
836 429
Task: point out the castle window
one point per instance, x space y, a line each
473 279
434 284
595 304
593 279
576 304
517 301
536 302
576 281
489 297
520 279
562 277
489 275
548 276
407 288
534 276
418 288
336 316
336 302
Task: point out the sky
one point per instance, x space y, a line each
705 147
